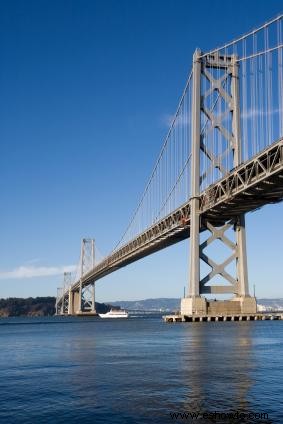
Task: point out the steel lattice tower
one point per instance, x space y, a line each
227 71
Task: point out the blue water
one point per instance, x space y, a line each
140 370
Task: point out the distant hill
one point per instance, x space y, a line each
154 305
38 306
173 304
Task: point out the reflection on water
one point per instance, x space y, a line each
138 371
218 368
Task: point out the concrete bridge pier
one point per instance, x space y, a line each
93 298
76 303
71 303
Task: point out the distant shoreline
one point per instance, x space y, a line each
45 306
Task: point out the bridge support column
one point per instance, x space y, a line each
80 296
71 303
242 267
76 302
194 303
248 303
93 298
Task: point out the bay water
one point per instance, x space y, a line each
139 370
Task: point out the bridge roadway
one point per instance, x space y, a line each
253 184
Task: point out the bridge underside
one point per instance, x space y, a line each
259 184
265 192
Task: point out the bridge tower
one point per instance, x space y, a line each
86 296
58 305
216 78
66 287
62 306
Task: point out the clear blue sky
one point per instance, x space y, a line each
85 87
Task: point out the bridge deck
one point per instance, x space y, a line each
248 187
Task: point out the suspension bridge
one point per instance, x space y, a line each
222 157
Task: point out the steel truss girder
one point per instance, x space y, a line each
244 177
167 228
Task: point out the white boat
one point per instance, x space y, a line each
115 313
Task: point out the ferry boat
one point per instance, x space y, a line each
115 313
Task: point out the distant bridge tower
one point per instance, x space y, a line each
215 78
63 298
66 287
87 262
58 306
